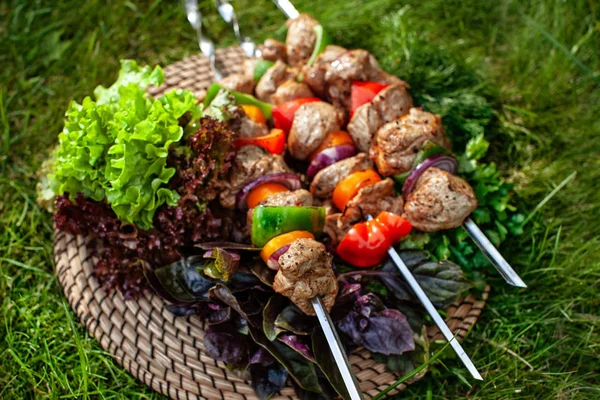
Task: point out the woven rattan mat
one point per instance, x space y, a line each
167 352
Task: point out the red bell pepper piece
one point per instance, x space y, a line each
283 114
363 93
274 142
366 243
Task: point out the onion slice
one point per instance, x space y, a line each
287 179
441 161
273 261
329 156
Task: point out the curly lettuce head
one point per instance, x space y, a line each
115 148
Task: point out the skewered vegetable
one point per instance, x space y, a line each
283 114
268 222
274 142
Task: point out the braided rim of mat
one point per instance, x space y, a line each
166 352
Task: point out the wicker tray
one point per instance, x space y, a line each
167 352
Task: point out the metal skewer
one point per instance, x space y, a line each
207 47
287 8
227 12
337 349
439 321
487 248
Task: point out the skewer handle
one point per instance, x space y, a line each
337 349
441 324
287 8
487 248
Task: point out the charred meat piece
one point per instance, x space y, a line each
305 272
239 82
312 122
314 75
272 50
250 129
440 201
249 163
270 81
398 142
389 104
328 178
373 199
354 65
301 39
248 67
300 197
336 227
291 90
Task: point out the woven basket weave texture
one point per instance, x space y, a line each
167 352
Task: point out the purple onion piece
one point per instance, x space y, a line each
287 179
273 261
441 161
329 156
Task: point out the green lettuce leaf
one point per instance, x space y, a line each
116 148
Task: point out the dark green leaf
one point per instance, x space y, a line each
300 369
222 292
268 380
300 344
181 281
262 272
275 305
293 320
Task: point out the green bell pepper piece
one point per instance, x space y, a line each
430 149
269 222
240 98
323 40
260 68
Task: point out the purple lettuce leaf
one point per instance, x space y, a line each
180 281
327 364
275 305
291 319
221 264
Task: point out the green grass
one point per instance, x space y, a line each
537 62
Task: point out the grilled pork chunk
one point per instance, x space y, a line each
240 82
370 200
314 75
440 201
291 90
306 272
312 122
272 50
389 104
398 142
301 39
328 178
354 65
249 163
250 129
270 81
300 197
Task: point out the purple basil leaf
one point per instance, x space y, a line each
298 344
224 343
386 332
291 319
275 305
267 381
299 368
222 292
218 314
401 364
327 392
261 357
181 281
221 264
227 246
265 274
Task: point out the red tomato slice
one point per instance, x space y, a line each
283 114
363 93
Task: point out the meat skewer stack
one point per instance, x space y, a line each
350 171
